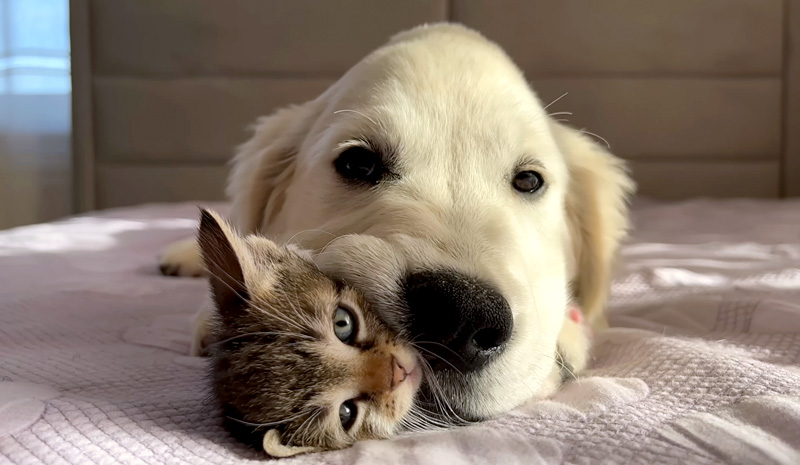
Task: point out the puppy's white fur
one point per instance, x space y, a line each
458 119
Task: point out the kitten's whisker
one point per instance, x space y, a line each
304 428
559 361
289 241
416 346
252 304
235 291
307 319
208 260
325 247
436 392
419 420
297 311
262 425
257 333
276 314
440 345
441 399
439 396
413 423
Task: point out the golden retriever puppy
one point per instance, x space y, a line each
431 179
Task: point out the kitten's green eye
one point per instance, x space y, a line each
347 414
344 325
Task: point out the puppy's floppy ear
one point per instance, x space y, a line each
273 446
222 254
264 166
597 212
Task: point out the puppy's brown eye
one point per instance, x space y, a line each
347 414
344 325
361 165
528 181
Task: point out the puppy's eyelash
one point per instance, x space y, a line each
530 163
357 113
533 164
387 152
356 142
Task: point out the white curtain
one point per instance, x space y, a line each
34 111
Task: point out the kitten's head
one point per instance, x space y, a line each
300 362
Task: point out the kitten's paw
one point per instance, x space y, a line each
182 258
201 332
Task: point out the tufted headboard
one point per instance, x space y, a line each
703 97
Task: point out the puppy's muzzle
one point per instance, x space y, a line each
458 322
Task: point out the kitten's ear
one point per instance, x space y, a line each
273 446
219 245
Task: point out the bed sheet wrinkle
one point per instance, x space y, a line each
701 365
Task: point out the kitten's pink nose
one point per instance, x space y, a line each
399 374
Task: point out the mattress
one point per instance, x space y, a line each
701 364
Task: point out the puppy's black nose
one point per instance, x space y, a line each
456 320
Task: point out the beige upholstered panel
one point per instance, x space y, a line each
654 37
245 37
197 120
122 184
679 180
699 95
674 117
791 175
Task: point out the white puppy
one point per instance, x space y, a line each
431 178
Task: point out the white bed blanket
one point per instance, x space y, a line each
702 364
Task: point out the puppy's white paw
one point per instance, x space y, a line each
182 258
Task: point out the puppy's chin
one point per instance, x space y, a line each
458 400
532 368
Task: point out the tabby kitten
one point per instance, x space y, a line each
299 361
